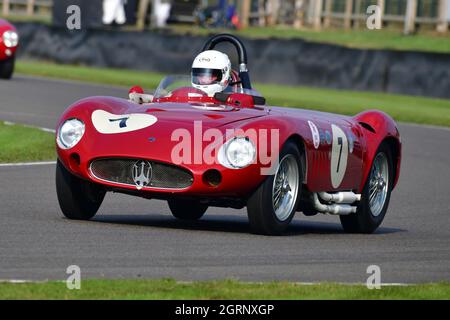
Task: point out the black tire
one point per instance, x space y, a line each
260 210
7 68
78 199
187 209
364 221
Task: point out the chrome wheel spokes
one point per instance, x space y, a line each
378 184
285 187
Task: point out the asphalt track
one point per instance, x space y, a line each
137 238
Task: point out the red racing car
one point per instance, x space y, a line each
228 149
9 40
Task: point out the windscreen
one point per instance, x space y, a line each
172 82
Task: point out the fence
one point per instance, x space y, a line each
345 13
298 13
26 7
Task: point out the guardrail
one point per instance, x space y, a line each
401 72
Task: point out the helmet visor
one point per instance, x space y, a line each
202 76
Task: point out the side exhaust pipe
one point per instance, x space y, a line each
340 197
336 209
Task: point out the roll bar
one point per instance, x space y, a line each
242 54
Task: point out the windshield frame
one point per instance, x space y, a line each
169 84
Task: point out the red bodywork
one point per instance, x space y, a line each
6 53
366 131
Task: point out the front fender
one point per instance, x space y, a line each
377 128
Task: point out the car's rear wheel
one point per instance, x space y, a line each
273 205
7 68
187 209
78 199
375 196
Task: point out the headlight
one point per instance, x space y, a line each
237 153
70 133
10 39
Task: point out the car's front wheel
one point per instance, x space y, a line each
7 68
375 196
273 205
79 199
187 209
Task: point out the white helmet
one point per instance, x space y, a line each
211 72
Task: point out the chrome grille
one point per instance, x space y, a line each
120 170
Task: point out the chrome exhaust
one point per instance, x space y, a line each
342 198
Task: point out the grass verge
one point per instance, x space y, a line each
225 289
45 19
402 108
22 144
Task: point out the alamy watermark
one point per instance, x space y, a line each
73 282
374 21
374 280
73 21
203 146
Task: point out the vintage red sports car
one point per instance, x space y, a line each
228 150
9 40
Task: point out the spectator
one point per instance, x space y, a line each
114 11
161 12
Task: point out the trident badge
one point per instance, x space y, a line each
142 173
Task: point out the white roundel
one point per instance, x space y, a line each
108 123
315 134
339 156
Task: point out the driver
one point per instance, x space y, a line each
211 72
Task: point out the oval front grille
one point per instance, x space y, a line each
119 170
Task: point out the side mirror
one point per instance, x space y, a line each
136 94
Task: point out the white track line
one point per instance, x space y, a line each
20 281
387 284
27 164
48 130
243 282
9 123
393 284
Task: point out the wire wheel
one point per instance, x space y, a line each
375 195
272 206
285 187
379 184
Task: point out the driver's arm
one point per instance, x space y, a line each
140 98
137 95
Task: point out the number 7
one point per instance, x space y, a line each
123 122
340 153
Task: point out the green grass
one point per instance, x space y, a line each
225 289
402 108
44 19
120 77
371 39
22 144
